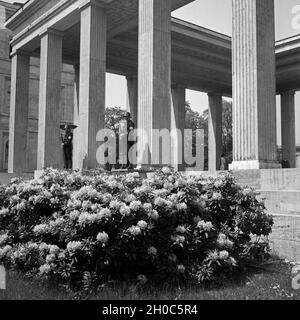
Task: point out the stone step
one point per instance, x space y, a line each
285 238
283 179
284 205
282 201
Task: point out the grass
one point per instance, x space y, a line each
271 281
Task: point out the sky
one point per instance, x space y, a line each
215 15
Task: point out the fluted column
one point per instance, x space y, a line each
154 76
254 100
178 127
288 129
215 131
18 126
132 97
92 83
49 143
76 139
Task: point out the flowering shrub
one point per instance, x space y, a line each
169 227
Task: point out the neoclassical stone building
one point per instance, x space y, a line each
160 57
66 100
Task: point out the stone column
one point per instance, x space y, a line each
288 129
154 76
178 127
92 83
49 142
76 134
254 94
132 97
18 127
215 131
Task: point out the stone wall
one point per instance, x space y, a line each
281 191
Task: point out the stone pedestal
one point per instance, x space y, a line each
178 127
288 130
18 127
154 99
91 84
215 132
49 142
132 98
254 100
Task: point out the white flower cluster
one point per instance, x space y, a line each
154 215
3 239
143 225
4 252
178 240
45 269
4 212
147 207
144 189
181 268
181 206
205 226
219 183
102 237
125 210
181 229
163 203
134 231
115 205
247 192
86 193
166 170
224 242
74 246
217 196
152 251
135 206
87 218
42 229
222 256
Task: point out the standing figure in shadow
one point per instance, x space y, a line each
130 126
67 144
130 144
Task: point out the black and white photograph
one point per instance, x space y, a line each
149 154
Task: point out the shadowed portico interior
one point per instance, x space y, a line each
200 59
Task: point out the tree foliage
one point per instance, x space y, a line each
193 120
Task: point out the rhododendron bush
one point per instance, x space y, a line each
73 227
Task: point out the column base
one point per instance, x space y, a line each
254 165
179 167
38 174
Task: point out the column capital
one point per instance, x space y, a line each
51 31
288 92
86 3
214 94
131 77
19 52
177 86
